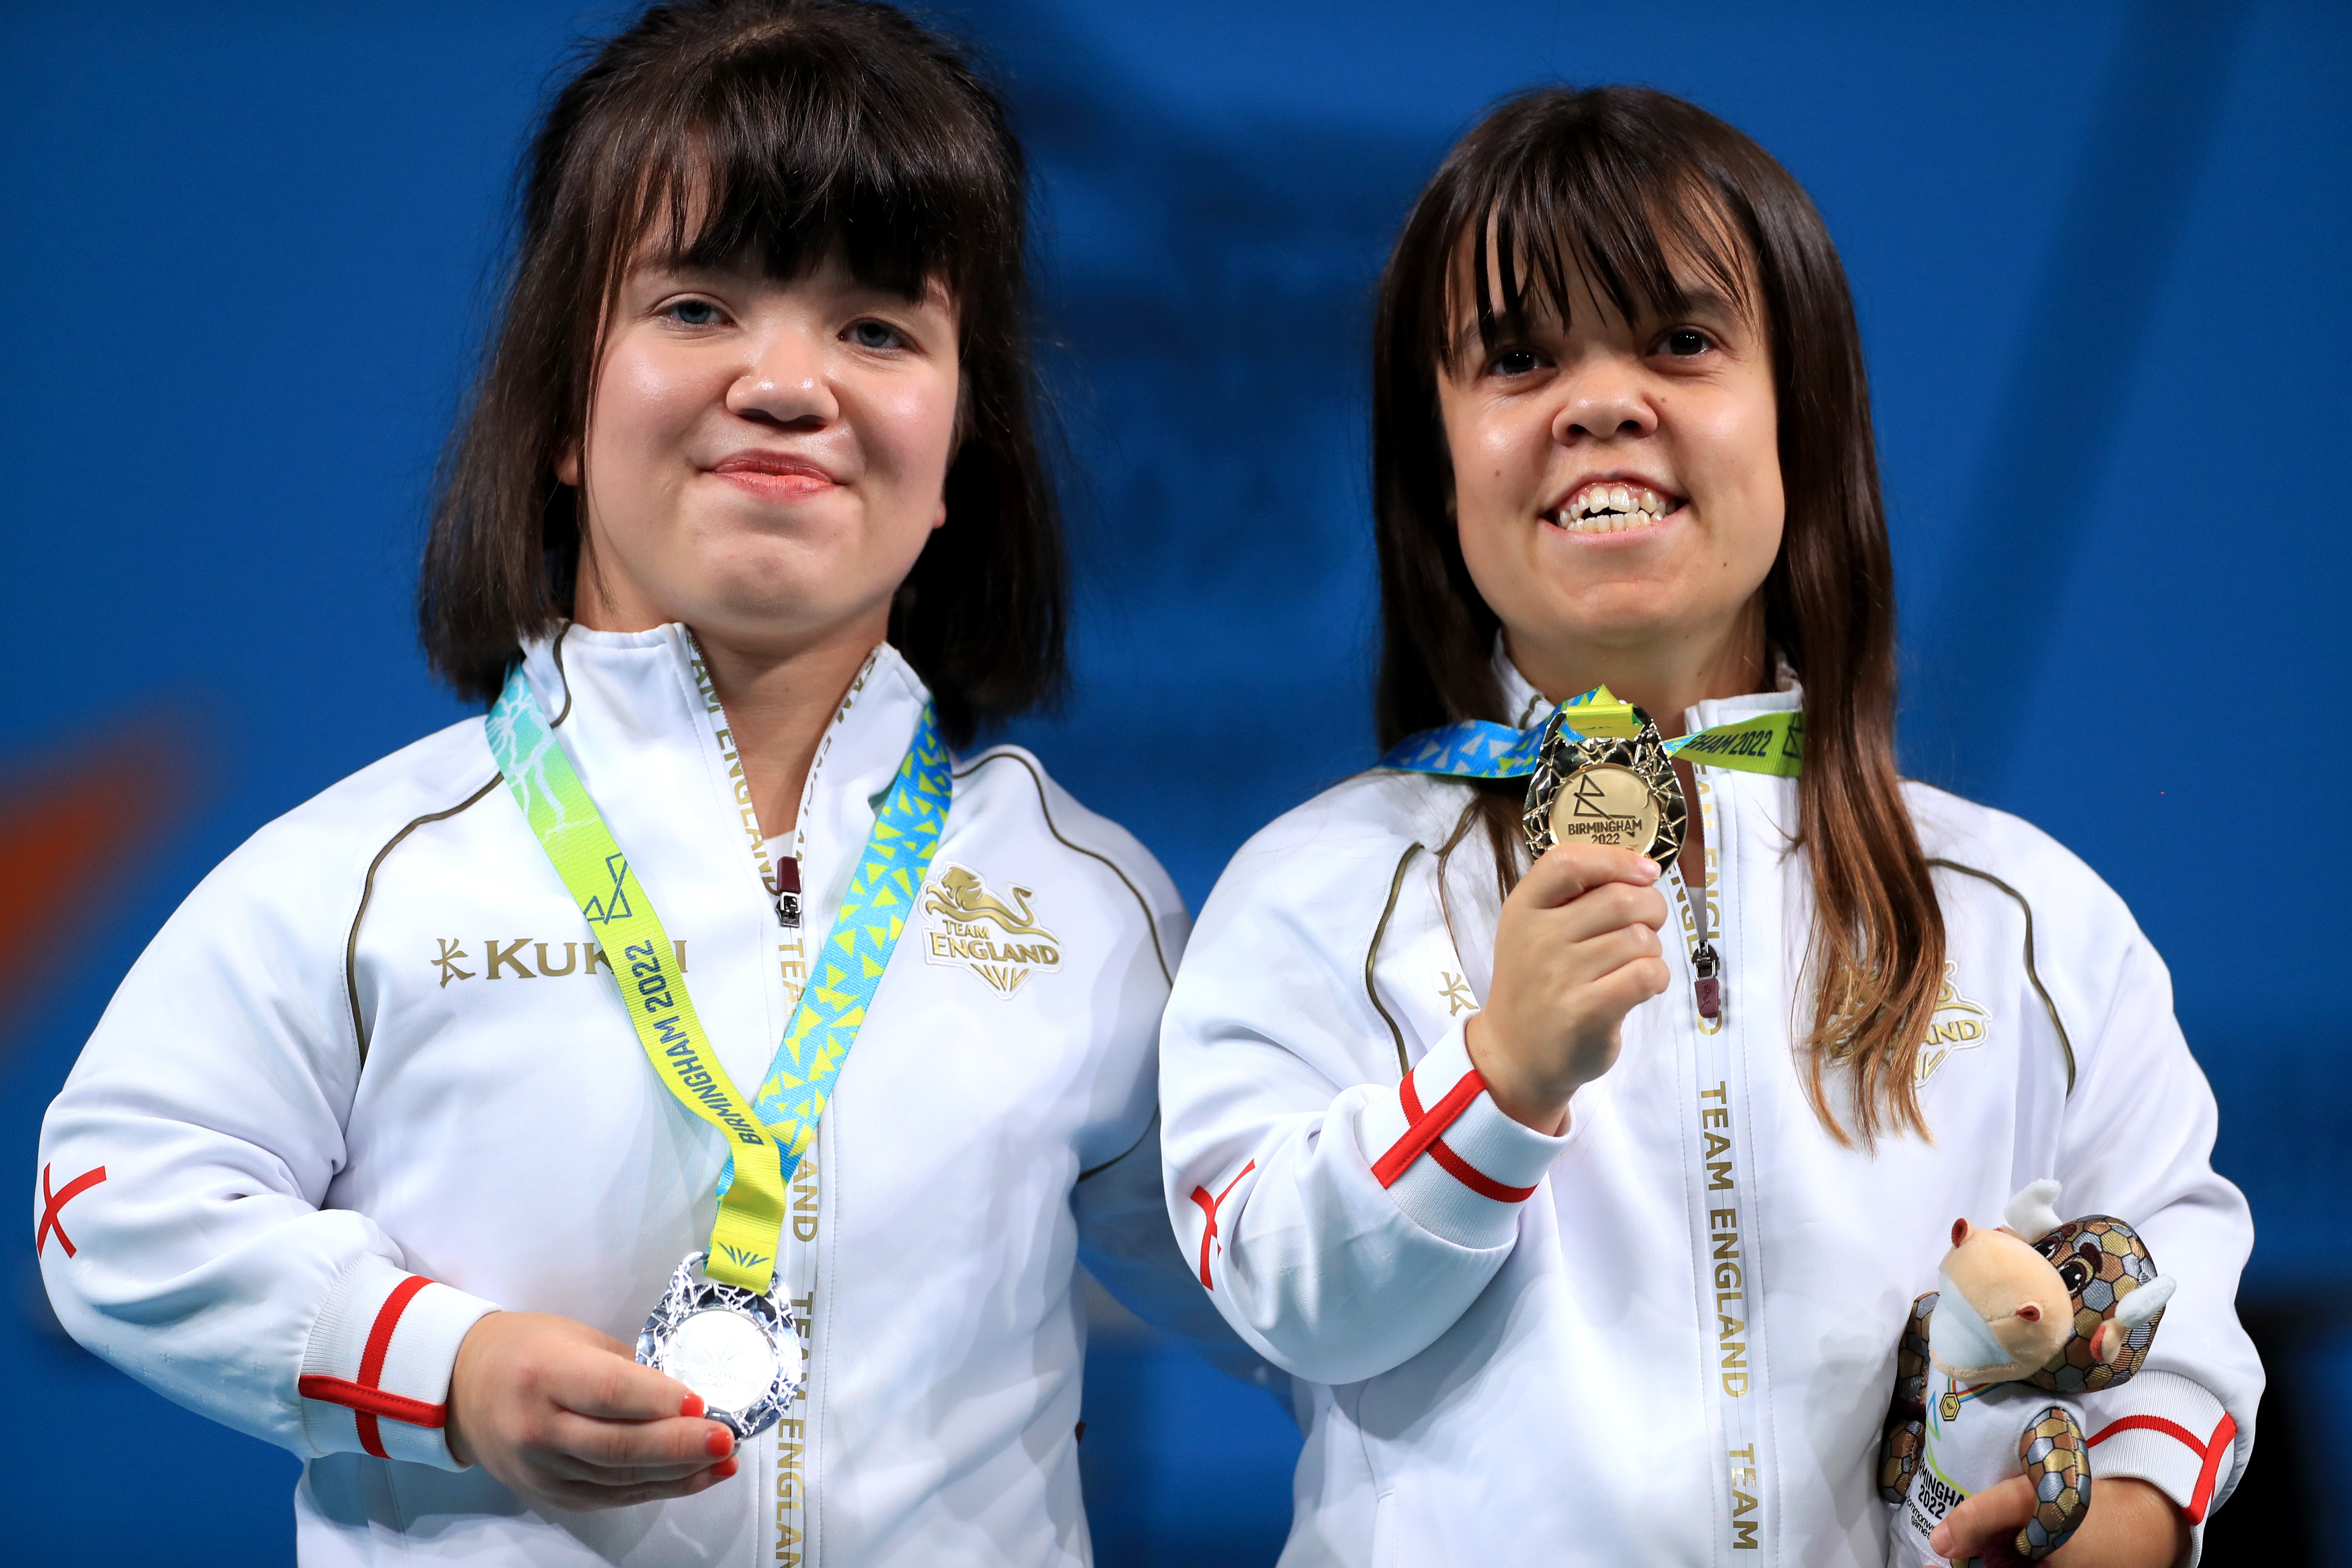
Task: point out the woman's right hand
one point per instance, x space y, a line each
566 1417
1576 950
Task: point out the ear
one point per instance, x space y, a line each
2144 1302
567 465
1960 1231
2034 1212
2109 1339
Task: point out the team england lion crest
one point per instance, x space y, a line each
967 927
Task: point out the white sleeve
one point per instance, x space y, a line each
183 1169
1123 1240
2138 1143
1340 1219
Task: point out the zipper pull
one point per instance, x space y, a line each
786 890
1707 988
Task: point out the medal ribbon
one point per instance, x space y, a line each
1760 744
767 1138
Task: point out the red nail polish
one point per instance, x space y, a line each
692 1407
720 1442
724 1468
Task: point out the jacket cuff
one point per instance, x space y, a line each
2171 1432
1455 1162
375 1375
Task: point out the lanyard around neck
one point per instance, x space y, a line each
769 1137
1760 744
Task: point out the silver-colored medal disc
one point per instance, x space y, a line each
1619 793
738 1349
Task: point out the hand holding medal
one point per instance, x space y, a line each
1576 947
559 1413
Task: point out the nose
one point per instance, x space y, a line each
1605 402
785 385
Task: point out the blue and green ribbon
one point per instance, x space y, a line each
1477 749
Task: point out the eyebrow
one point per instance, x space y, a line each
1707 300
1698 300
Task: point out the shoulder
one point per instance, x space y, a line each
2080 946
2013 857
1331 864
321 849
262 937
1010 789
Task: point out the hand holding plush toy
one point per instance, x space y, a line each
2033 1308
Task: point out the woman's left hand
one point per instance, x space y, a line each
2130 1525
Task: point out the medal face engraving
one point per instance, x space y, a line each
1605 804
723 1356
738 1350
1619 793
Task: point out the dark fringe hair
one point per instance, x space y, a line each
774 133
1617 185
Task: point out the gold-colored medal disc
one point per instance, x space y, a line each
1620 793
1605 804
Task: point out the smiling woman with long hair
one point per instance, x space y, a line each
1589 1188
589 1026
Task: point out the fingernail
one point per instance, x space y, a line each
692 1407
719 1442
724 1468
1940 1543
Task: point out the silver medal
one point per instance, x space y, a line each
738 1349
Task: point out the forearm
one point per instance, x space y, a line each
1343 1243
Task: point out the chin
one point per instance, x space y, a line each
1609 613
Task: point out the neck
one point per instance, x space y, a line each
778 706
1663 677
779 696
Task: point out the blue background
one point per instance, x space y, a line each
2098 252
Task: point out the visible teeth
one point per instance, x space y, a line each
1610 508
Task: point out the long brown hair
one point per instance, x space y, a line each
1615 185
784 131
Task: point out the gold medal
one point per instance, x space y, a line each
1619 792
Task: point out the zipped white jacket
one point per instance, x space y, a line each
376 1047
1519 1347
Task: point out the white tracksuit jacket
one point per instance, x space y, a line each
376 1046
1516 1348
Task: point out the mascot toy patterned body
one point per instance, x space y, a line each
2035 1309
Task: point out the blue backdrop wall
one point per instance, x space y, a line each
2098 254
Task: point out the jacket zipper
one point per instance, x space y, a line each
1707 966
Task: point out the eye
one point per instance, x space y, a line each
1684 342
870 333
1513 362
2073 1276
691 312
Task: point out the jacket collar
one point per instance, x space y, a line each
644 701
1527 707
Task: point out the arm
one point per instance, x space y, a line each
2137 1143
1341 1219
187 1240
202 1262
1125 1243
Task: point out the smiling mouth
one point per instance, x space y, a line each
1605 507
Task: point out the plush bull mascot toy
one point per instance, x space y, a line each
2035 1309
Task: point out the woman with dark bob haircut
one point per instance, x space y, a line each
1580 1100
708 999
